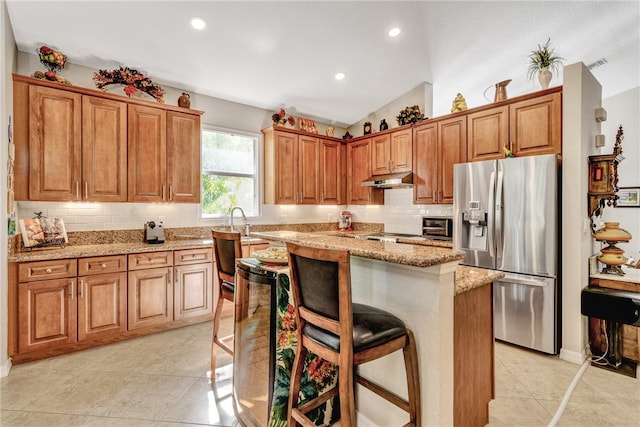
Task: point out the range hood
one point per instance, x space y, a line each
392 180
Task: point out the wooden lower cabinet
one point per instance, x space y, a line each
47 314
193 284
150 301
59 306
102 305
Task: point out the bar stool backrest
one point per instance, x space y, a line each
227 247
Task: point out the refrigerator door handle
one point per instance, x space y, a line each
528 282
490 211
498 215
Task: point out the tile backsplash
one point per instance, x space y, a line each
398 214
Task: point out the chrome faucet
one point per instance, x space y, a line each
244 217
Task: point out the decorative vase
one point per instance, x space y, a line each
544 77
184 100
612 256
383 125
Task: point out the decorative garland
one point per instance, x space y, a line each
133 81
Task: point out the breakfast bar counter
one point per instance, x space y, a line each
449 310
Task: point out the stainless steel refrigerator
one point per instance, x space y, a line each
506 218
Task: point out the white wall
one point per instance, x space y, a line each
421 95
580 97
6 105
624 109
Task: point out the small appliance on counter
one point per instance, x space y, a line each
437 228
153 232
345 221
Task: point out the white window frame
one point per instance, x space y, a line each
258 153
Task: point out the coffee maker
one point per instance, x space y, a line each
345 221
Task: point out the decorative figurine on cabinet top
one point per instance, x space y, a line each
184 100
383 125
367 128
459 103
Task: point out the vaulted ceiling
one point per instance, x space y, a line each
273 54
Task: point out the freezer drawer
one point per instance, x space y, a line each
524 310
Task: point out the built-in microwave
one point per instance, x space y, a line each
437 228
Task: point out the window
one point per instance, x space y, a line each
229 173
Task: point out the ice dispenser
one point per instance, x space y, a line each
474 227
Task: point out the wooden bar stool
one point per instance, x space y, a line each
226 248
344 333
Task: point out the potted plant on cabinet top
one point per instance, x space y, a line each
542 61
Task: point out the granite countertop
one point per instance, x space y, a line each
468 278
121 248
418 255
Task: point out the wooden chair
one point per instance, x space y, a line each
344 333
226 248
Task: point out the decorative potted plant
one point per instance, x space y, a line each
542 61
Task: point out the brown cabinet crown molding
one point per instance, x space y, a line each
98 93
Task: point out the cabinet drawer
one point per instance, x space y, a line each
103 264
45 270
150 259
192 256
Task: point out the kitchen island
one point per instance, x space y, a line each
447 307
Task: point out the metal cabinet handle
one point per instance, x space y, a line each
77 190
163 191
81 288
48 270
103 265
171 192
72 289
86 190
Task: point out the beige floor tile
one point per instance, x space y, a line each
163 380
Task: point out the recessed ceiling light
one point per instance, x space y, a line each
198 23
340 76
394 32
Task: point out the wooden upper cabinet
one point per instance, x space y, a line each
332 172
104 150
391 152
401 150
529 125
359 169
74 144
437 146
147 147
452 138
425 171
380 155
280 167
308 170
488 133
535 125
183 157
55 144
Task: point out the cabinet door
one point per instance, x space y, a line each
55 123
102 305
332 172
193 295
425 161
401 150
487 133
183 157
286 168
309 170
147 147
150 299
47 314
452 144
359 169
380 154
104 150
536 125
